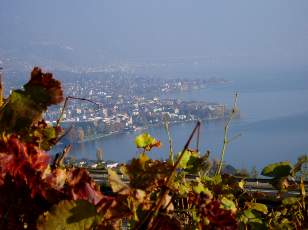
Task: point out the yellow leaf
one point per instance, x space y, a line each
117 185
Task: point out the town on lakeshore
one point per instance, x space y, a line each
120 101
124 104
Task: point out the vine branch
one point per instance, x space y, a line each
171 158
154 211
226 140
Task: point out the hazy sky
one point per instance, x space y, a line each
261 32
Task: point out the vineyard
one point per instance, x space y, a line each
186 191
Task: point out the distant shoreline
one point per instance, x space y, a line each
97 137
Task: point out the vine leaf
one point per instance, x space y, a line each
146 174
241 184
117 185
228 204
81 186
25 107
199 188
251 217
147 142
184 160
43 135
69 215
290 201
43 88
23 161
277 170
218 214
258 207
197 163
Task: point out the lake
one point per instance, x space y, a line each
273 124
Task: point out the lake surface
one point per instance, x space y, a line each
273 124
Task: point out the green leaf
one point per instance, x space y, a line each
290 201
195 216
199 188
241 184
197 163
25 107
50 133
19 113
183 188
277 170
146 141
215 180
184 160
228 204
69 215
258 207
250 216
45 135
283 212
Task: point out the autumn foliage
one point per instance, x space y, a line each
36 193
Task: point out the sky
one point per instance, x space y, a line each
221 33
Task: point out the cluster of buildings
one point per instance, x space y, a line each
134 114
118 103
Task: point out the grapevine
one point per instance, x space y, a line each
37 192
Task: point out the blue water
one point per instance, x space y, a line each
273 124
